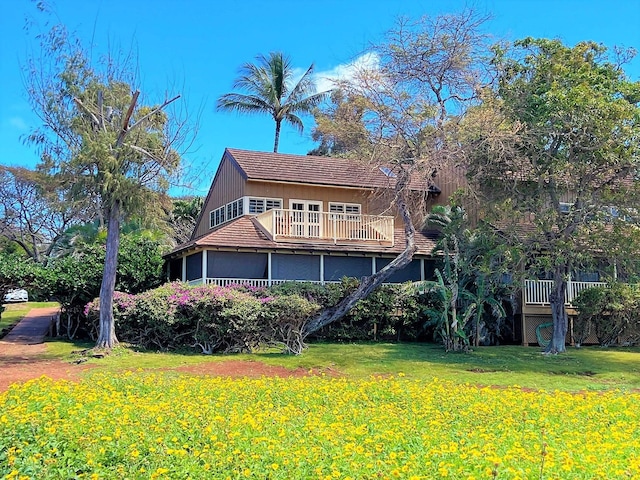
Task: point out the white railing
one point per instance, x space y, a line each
536 292
259 282
251 282
284 224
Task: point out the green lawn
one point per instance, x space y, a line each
590 368
15 311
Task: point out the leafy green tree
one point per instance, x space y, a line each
555 151
270 91
33 213
102 138
341 126
75 278
184 216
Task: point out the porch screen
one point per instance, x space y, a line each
295 267
175 269
194 266
337 267
430 266
409 273
236 265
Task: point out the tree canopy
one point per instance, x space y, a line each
555 151
400 112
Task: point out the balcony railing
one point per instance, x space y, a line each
536 292
337 228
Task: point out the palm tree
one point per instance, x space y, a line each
268 87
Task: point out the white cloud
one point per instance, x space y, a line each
326 80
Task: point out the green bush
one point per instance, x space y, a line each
242 319
391 312
611 312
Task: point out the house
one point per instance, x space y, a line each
273 217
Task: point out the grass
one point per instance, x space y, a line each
582 369
14 312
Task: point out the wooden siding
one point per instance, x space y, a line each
309 192
228 185
449 179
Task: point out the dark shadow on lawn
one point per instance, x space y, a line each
586 361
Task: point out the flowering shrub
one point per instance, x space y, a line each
151 426
225 319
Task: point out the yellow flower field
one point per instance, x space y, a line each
141 425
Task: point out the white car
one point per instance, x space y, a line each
18 295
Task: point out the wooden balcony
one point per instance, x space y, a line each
284 225
536 292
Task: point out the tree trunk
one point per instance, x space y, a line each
107 335
367 285
558 312
370 283
277 139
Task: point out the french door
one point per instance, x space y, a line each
306 218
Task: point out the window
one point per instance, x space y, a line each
226 213
337 209
565 207
259 205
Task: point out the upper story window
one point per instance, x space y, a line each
259 205
226 213
565 207
349 209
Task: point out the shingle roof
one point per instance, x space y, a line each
243 233
314 170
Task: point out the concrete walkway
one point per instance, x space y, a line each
32 329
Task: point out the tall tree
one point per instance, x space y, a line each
425 75
34 214
270 90
100 136
556 150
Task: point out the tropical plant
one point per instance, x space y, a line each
469 291
270 90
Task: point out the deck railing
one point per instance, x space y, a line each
536 292
254 282
298 225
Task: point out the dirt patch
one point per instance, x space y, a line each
19 363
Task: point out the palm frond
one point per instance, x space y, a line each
243 103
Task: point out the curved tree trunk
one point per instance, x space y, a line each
559 313
370 283
107 334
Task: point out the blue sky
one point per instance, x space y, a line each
195 47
